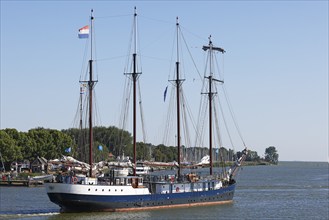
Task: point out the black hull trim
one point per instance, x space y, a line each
87 203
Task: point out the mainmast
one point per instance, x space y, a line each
210 93
134 76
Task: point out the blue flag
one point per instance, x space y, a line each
68 150
100 148
165 94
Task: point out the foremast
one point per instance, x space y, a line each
90 83
210 48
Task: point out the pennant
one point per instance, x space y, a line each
165 94
84 32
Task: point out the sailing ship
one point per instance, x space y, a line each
119 191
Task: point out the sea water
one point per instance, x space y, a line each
290 190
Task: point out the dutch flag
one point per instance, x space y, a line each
84 32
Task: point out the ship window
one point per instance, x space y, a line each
88 189
121 190
102 190
109 190
115 189
95 189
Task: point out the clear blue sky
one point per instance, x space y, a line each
276 65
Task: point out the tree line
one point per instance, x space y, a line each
108 141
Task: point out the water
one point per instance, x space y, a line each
291 190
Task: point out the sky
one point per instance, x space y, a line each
275 67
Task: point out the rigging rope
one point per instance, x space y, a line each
191 56
141 113
113 16
233 115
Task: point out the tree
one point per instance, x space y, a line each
9 150
60 142
252 156
116 140
100 152
271 155
143 151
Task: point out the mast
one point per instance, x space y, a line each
81 108
210 94
134 76
134 91
91 83
178 83
80 140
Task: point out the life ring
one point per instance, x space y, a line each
74 180
177 189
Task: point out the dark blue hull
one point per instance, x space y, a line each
74 202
